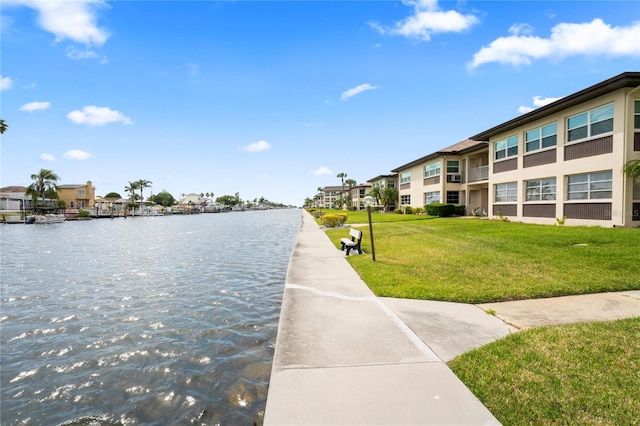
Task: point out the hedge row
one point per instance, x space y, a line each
445 210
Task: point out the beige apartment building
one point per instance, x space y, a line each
458 174
560 163
565 160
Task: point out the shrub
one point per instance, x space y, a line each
333 220
440 209
317 214
83 213
460 210
418 210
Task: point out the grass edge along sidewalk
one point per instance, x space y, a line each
480 261
570 374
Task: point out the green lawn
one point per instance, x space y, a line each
584 374
477 261
579 374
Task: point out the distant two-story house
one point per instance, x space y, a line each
358 192
565 160
330 195
457 175
385 181
78 196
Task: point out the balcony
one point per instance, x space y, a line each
479 173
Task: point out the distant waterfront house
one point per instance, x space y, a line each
77 196
192 199
457 175
565 159
13 199
110 206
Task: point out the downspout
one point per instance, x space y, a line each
628 140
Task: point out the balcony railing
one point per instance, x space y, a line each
478 173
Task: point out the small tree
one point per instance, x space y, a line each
632 169
389 197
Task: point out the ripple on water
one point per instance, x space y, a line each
168 323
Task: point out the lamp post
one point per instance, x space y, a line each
368 201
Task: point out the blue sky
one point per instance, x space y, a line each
274 99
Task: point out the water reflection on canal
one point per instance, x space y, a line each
157 320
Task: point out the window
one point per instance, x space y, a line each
542 137
453 197
453 166
540 189
432 197
506 192
391 184
636 115
405 177
80 193
405 200
590 123
431 170
636 190
506 148
361 192
589 186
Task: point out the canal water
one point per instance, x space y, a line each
154 320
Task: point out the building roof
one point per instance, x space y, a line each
335 188
14 189
72 186
393 175
626 79
459 148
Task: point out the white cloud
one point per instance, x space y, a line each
76 154
47 157
35 106
5 83
538 102
98 116
257 146
428 19
322 171
79 55
74 20
594 38
356 90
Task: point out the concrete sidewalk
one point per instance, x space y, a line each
345 357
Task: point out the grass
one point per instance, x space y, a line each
479 261
360 217
586 374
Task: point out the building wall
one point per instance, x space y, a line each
604 152
78 196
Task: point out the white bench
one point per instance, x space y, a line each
353 243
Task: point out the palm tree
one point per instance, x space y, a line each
131 188
142 184
3 126
320 190
389 196
351 183
342 176
44 182
375 193
632 169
